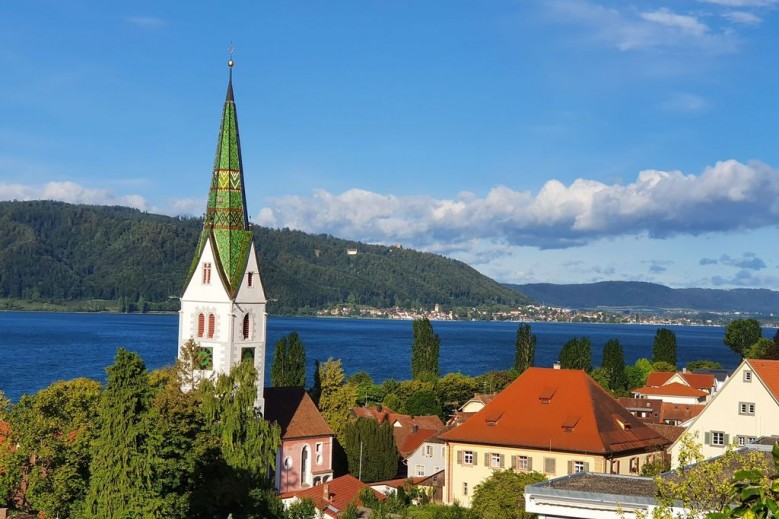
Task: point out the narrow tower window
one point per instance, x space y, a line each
201 324
211 323
246 326
249 278
206 273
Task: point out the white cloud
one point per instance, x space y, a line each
72 193
743 17
726 197
187 207
685 23
741 3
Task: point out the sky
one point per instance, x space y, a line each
539 141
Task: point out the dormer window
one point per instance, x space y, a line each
206 273
546 394
570 423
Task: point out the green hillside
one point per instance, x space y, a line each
52 251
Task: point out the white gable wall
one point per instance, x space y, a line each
723 414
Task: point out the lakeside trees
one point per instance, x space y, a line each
289 362
614 365
424 350
525 349
740 334
577 354
664 348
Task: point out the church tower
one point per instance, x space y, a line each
223 305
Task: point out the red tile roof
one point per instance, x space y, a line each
533 412
412 430
295 412
670 432
335 494
658 378
674 389
768 371
679 412
704 381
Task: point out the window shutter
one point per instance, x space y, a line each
727 439
486 459
707 438
459 457
529 463
514 462
586 467
502 457
570 467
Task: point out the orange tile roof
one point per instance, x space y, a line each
413 430
295 412
699 380
559 409
670 432
675 389
768 371
337 493
679 412
658 378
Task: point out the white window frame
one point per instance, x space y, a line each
468 458
523 463
746 408
420 470
718 438
495 460
747 376
578 466
319 450
428 451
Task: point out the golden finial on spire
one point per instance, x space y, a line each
231 51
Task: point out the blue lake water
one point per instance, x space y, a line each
40 348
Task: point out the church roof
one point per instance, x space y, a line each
226 222
295 412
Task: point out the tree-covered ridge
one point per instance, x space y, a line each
58 251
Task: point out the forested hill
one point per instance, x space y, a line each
58 251
630 294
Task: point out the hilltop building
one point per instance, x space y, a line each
223 304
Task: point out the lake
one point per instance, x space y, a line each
40 348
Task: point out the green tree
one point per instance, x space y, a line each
121 484
502 495
638 373
289 362
577 354
302 509
370 450
614 364
424 349
336 398
525 349
48 471
454 389
740 334
664 349
762 349
423 403
752 494
694 365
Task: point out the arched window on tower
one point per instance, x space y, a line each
211 323
201 324
246 327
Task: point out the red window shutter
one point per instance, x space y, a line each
201 324
211 322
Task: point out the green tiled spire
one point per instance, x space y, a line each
226 221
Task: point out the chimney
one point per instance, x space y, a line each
684 370
556 365
326 491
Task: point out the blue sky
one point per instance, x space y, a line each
555 141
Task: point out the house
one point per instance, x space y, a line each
705 382
471 407
332 498
674 392
428 458
651 410
409 431
432 485
305 458
745 408
554 421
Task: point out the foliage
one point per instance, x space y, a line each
664 348
453 390
694 365
351 511
614 364
637 374
740 334
659 463
601 377
495 381
577 354
121 482
502 495
663 366
370 450
525 349
58 251
336 398
762 349
424 349
424 403
302 509
753 495
289 362
48 471
700 486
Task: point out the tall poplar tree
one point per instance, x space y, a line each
664 349
577 354
370 450
525 354
424 350
121 484
289 362
614 364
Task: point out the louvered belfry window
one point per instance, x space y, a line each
211 325
246 326
201 324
